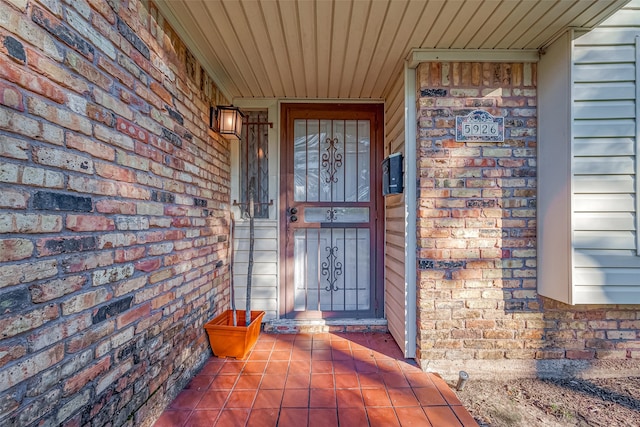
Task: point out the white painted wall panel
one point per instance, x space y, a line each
605 90
554 171
604 147
604 165
604 221
604 73
394 260
596 239
604 203
607 277
623 109
610 259
604 128
604 184
603 54
264 282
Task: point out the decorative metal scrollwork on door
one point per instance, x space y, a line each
332 268
332 160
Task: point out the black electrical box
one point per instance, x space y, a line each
392 175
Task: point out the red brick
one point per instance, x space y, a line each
13 274
61 31
133 161
17 324
62 159
15 249
115 240
78 64
181 222
129 254
162 300
130 191
80 379
109 101
132 130
87 262
90 337
118 73
93 186
159 90
131 99
116 173
44 337
148 265
110 206
53 289
52 70
89 223
125 287
60 116
160 276
145 150
148 322
103 8
14 148
130 316
11 97
11 352
31 82
27 368
18 223
580 354
113 137
100 114
176 210
84 301
90 146
112 274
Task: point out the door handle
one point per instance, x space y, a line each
293 218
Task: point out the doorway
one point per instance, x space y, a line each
331 211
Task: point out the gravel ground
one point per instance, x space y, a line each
609 402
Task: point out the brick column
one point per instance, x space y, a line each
476 226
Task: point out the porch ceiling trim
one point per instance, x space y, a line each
471 55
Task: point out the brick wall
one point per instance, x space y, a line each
113 206
477 302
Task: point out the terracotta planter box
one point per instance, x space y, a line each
233 341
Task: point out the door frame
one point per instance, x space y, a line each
332 111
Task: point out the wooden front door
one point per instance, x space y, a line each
331 211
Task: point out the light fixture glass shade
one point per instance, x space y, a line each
227 120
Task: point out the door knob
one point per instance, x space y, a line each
293 218
293 211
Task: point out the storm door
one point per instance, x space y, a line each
330 208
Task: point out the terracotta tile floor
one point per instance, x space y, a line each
352 379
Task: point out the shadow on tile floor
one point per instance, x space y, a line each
349 379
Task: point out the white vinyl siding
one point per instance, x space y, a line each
588 190
605 166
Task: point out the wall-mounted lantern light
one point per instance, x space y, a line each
226 120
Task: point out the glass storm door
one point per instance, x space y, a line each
330 209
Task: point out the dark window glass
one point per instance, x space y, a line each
254 162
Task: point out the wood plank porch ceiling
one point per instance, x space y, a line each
342 49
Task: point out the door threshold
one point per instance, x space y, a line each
310 326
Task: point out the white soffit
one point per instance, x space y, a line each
356 49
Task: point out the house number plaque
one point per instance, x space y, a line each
479 126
